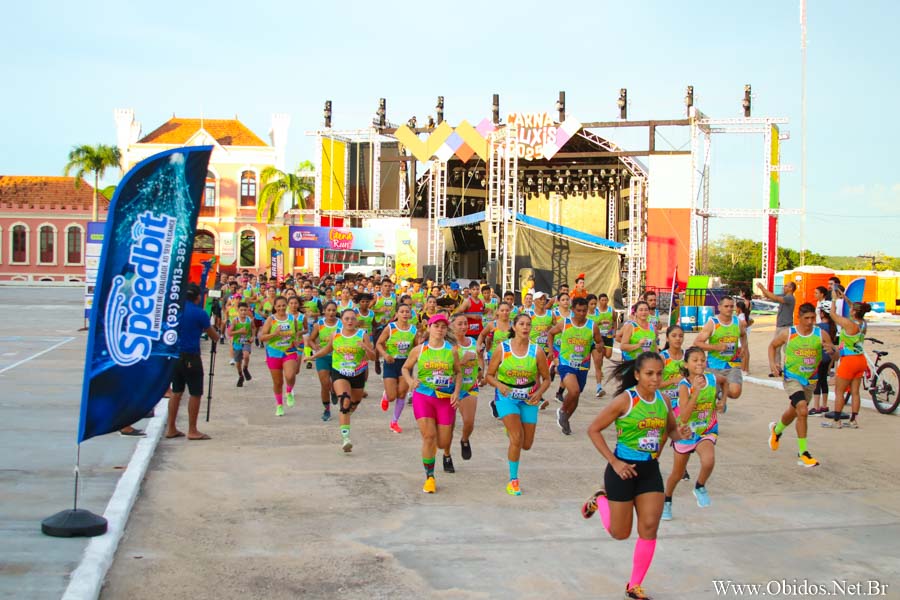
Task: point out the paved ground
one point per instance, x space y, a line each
271 508
41 363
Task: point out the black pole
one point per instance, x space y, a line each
212 371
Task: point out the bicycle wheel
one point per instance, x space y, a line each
886 391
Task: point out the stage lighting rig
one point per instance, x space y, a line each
622 102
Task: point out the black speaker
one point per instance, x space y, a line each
429 272
491 273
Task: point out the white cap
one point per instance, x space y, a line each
539 295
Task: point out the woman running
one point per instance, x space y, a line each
435 384
632 481
278 334
241 331
322 332
471 363
346 301
495 332
394 345
350 349
431 309
852 364
695 405
638 335
673 358
518 371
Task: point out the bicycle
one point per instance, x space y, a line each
881 380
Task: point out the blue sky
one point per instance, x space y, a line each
68 65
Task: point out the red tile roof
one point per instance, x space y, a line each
227 132
24 191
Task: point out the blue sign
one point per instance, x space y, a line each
144 265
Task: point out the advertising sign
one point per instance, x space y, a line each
93 245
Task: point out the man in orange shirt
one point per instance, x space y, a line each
580 291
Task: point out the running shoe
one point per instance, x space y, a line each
852 424
806 460
544 404
494 409
384 401
702 496
326 415
466 449
309 365
667 511
333 398
247 374
686 476
831 424
395 427
231 362
448 464
347 445
378 367
600 392
774 438
590 507
430 487
562 419
512 488
636 592
559 394
279 410
289 399
240 382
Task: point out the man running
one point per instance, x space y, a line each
723 337
576 342
473 309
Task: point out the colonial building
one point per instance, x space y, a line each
42 227
228 224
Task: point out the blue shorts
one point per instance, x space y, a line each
392 370
580 375
507 406
323 363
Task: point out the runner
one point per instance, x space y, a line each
804 345
820 399
632 481
431 309
346 300
384 308
852 365
394 345
350 349
323 330
519 373
580 291
418 295
473 309
471 363
638 335
695 406
435 386
495 332
673 358
604 329
278 335
541 323
560 311
241 332
723 337
654 318
576 337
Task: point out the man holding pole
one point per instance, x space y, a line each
188 370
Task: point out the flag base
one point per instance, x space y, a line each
74 523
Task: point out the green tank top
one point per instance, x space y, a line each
240 331
418 299
639 430
299 326
671 370
702 419
385 307
326 332
435 370
540 325
469 369
645 337
365 322
802 355
349 356
278 346
852 345
518 372
499 336
575 345
400 342
729 335
605 321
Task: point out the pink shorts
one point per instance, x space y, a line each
429 407
276 364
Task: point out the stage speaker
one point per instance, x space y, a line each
491 273
618 299
429 272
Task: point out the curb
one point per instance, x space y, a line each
87 580
775 383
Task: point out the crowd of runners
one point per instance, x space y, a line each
435 346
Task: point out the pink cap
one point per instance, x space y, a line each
438 318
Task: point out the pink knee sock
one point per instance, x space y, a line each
290 388
603 509
278 399
643 556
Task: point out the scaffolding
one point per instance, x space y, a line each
437 210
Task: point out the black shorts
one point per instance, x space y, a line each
357 382
188 372
648 479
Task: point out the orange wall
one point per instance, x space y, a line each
668 244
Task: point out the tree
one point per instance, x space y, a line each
92 159
275 184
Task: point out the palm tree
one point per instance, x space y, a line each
275 184
92 159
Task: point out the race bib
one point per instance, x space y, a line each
519 393
576 359
543 338
646 344
402 346
440 380
730 347
649 444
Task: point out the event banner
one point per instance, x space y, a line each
276 264
337 238
93 245
144 265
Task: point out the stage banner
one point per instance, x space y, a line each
144 265
406 265
227 248
93 246
337 238
276 264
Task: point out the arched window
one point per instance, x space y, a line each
208 206
74 245
19 244
204 242
47 244
248 249
248 189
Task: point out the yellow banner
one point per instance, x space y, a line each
333 179
407 250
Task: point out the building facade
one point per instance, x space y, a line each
227 226
43 221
